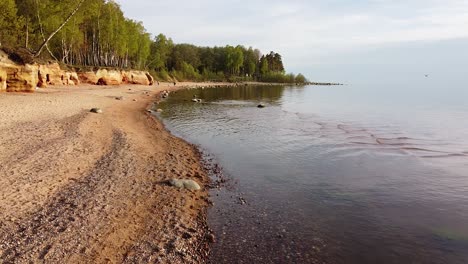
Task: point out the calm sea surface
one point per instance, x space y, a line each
361 173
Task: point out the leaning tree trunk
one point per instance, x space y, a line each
44 44
42 31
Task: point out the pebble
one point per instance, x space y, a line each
211 238
96 110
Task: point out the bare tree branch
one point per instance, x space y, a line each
44 44
42 31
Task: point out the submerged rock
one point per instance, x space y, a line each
261 106
96 110
185 184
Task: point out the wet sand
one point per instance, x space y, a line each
79 187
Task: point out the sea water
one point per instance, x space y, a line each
358 173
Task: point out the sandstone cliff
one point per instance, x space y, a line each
3 78
25 78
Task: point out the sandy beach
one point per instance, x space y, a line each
79 187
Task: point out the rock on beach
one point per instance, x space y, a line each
185 184
96 110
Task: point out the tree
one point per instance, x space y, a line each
10 24
234 59
161 49
96 33
184 53
250 61
38 52
300 79
264 67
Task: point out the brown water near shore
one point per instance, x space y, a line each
78 187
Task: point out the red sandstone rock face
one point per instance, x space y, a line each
109 77
150 78
137 77
52 74
73 77
22 79
3 78
101 77
88 77
17 78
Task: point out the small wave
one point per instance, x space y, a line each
364 143
391 142
451 155
423 150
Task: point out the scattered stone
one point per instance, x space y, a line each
159 110
134 100
186 235
211 238
195 100
119 98
96 110
149 111
261 106
185 184
165 94
242 201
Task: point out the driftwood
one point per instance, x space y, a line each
46 41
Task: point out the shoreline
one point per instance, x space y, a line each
82 187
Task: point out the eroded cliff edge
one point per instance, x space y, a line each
15 77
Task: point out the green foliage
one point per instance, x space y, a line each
251 59
10 24
186 73
275 62
100 35
279 77
234 59
164 75
160 50
301 79
97 35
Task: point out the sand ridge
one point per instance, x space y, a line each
78 187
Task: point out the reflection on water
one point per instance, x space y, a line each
329 178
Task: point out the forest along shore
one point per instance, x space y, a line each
82 187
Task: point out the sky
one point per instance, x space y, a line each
335 40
